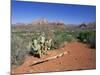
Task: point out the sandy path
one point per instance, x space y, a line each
79 57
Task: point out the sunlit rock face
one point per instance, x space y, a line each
40 21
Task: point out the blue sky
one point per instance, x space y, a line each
26 12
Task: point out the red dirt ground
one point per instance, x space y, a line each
79 57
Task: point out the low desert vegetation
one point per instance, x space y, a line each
20 43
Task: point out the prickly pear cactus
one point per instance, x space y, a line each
36 48
41 45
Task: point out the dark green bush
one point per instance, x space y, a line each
92 40
83 35
87 36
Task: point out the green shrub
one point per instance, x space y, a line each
83 35
60 38
92 40
18 50
87 36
